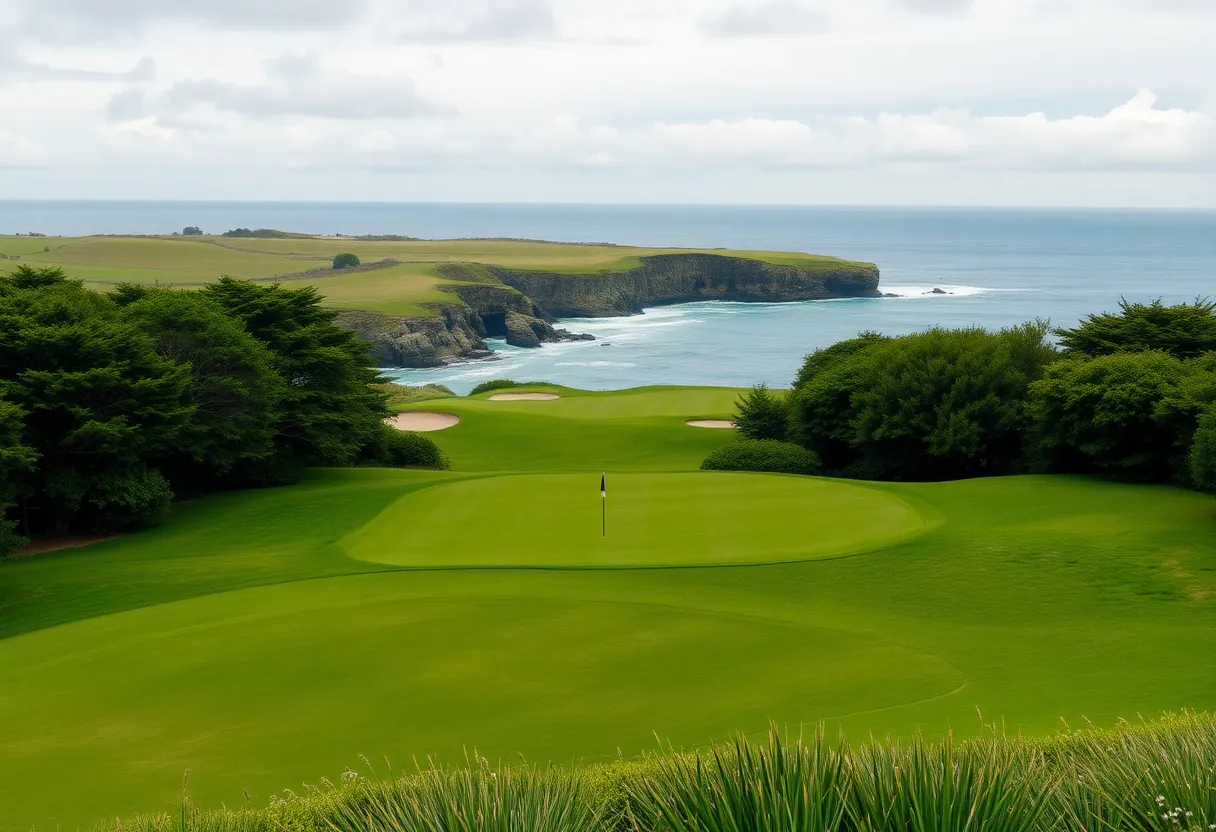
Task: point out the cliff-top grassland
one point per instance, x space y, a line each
398 277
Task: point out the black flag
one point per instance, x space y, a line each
603 485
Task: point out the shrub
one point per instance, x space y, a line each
399 394
502 384
1184 331
1105 415
763 455
941 404
392 448
1203 453
762 414
346 261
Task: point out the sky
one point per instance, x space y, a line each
1105 103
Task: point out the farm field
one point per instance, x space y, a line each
265 639
399 277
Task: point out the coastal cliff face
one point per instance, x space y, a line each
680 278
521 306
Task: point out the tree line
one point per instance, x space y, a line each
113 404
1130 395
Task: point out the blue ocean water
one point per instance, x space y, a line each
1001 266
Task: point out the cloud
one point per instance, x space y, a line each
766 19
298 86
130 14
14 67
481 21
1134 136
936 6
18 151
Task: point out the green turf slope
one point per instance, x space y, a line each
243 641
691 519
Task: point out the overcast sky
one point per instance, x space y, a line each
990 102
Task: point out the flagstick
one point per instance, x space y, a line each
603 505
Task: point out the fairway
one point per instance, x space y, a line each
657 520
265 639
223 684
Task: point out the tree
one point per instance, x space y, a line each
943 404
16 459
824 359
192 231
329 411
234 390
1203 453
762 414
1184 331
99 404
1104 415
346 261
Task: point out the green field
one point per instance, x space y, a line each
406 284
266 639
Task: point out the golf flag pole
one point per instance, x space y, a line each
603 504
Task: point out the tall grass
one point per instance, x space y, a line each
1157 776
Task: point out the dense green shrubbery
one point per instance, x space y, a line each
1186 330
943 404
392 448
767 455
346 261
762 414
111 404
399 394
502 384
1152 776
1126 398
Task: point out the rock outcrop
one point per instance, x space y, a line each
680 278
455 334
521 306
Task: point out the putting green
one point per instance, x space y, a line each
686 519
258 689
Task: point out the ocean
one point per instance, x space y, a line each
1000 267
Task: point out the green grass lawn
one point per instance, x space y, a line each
266 639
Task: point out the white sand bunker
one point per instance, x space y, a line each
423 420
524 397
718 424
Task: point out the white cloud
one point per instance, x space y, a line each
772 18
301 85
129 14
726 100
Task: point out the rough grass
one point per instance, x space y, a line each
785 783
241 640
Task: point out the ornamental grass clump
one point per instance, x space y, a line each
783 786
992 784
479 798
1153 776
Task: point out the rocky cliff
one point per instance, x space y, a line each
680 278
521 306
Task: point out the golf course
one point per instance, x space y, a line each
264 639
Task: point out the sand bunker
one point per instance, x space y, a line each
524 397
423 420
719 424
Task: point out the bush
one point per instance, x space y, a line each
346 261
762 414
1184 331
394 448
399 394
767 455
1105 415
502 384
1203 453
942 404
